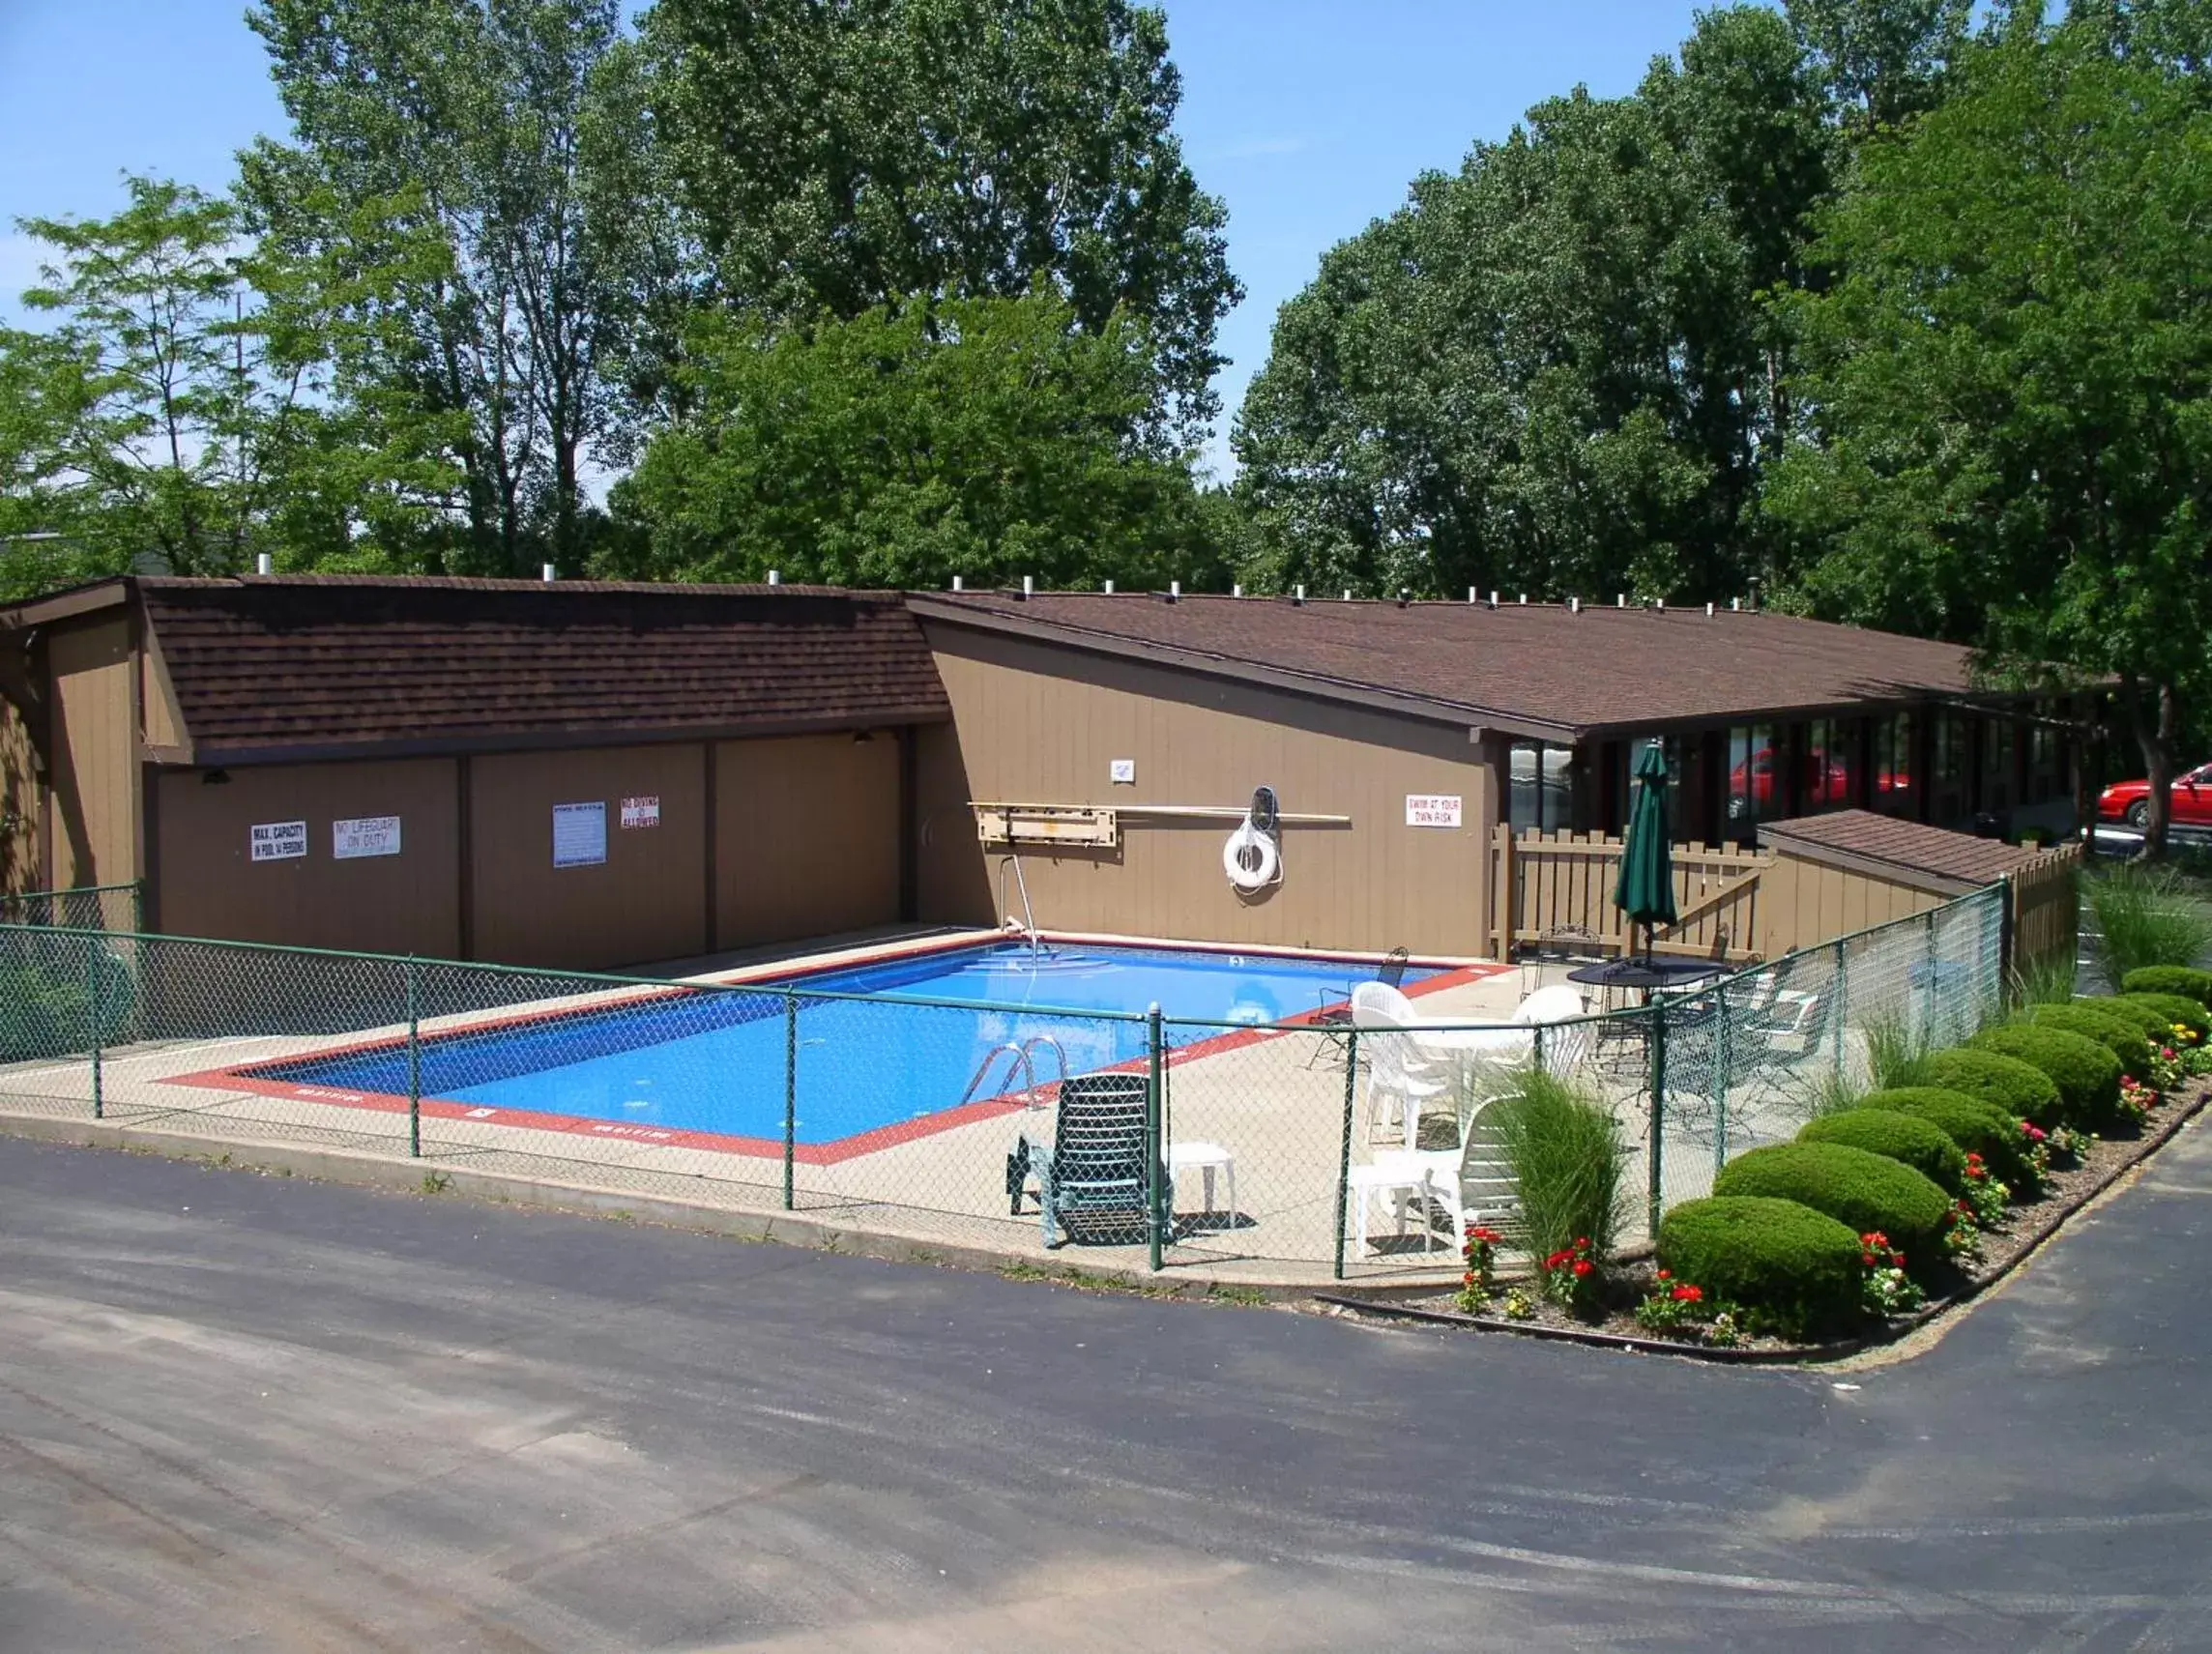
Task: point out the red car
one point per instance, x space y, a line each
2190 798
1827 781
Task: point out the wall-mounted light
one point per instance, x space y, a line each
215 778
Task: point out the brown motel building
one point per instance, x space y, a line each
598 775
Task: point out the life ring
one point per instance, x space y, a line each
1251 858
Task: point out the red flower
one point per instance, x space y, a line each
1581 1267
1686 1294
1664 1276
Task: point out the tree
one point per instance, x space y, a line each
1548 372
185 403
842 155
515 127
989 438
1884 60
2011 379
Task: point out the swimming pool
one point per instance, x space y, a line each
696 1065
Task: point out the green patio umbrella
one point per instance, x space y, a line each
1645 892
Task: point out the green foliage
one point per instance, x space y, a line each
1925 1147
2146 918
2086 1071
842 157
1548 372
2019 1088
2179 979
1866 1189
2155 1025
1975 1124
1795 1269
42 1015
2173 1009
2005 365
2048 980
2120 1034
1894 1046
1566 1160
989 438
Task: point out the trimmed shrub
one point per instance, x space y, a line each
1928 1148
1974 1124
2171 1009
2087 1074
2141 1018
1793 1270
2189 983
2114 1031
1854 1186
2019 1088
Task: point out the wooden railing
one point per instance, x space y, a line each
2047 908
1552 887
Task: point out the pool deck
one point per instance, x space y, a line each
1273 1100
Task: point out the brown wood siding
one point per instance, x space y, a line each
94 803
20 865
208 883
647 902
1802 904
1035 724
807 839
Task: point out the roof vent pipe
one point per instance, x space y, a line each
1574 605
1298 595
1661 604
1752 602
1174 590
1238 589
1348 594
1524 599
1493 599
775 577
1709 611
1402 596
1108 588
1735 605
956 584
266 563
1029 585
1473 597
1621 600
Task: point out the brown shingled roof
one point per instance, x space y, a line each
1538 665
327 664
1927 858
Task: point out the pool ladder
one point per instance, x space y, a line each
1024 1054
1028 916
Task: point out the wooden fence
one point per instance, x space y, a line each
2046 919
1556 887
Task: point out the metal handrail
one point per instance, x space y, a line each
1058 1050
1021 1057
1028 916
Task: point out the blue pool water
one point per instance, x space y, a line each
716 1062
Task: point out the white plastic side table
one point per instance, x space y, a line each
1206 1158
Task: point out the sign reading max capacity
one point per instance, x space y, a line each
1432 809
276 841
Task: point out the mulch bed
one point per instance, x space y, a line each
2027 1224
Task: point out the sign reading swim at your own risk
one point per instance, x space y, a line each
1432 809
365 836
276 841
580 834
642 812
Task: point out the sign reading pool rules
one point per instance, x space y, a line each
1432 809
365 836
580 834
641 812
276 841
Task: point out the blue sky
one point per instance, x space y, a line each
1309 117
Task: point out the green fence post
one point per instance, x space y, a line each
1842 1007
138 907
1724 1055
414 1059
1153 1224
1344 1152
91 998
790 1096
1928 1034
1657 1012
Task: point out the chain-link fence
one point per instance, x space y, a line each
1312 1148
90 907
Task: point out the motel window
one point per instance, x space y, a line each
2000 745
1827 765
1757 782
1539 791
2045 760
1893 739
1948 778
1677 751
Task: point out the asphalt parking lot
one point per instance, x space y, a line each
249 1412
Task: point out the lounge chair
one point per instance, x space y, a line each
1092 1175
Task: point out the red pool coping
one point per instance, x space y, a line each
834 1152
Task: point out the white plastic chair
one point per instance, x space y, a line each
1469 1185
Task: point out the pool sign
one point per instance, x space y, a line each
276 841
642 812
1432 809
364 837
580 834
